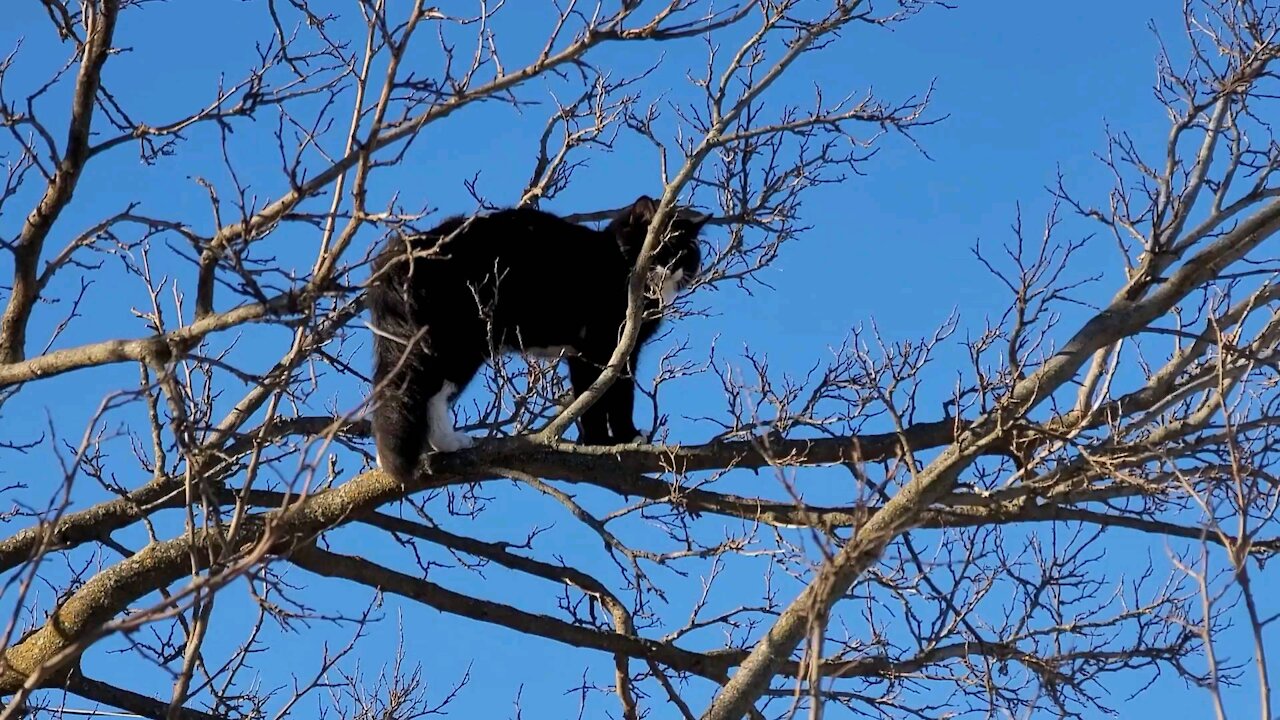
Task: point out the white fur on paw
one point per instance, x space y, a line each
451 441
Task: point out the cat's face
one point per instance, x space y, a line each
677 258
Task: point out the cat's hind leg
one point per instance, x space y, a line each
454 375
400 408
412 413
441 434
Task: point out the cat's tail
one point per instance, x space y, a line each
399 411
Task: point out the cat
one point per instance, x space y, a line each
445 301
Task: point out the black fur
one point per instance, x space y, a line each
445 301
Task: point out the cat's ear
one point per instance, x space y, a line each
693 217
643 210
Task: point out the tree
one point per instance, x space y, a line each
197 529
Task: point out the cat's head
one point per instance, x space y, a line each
677 258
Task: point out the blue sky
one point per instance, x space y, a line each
1026 87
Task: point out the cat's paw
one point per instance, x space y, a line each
628 436
451 441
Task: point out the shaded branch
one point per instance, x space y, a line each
130 701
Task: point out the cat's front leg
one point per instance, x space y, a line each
610 420
619 403
593 425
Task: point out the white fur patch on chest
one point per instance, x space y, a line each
671 284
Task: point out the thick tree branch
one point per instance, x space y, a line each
321 562
565 461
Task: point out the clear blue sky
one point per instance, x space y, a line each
1027 88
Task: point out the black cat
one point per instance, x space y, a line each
525 280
